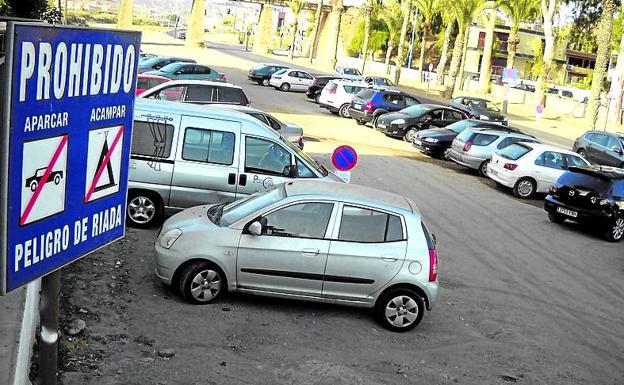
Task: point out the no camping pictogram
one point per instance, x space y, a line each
103 162
44 174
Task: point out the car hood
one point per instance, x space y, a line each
438 133
189 219
387 118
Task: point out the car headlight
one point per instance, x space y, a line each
398 121
431 140
484 117
169 238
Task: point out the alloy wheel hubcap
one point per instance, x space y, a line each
618 228
525 188
401 311
206 285
141 209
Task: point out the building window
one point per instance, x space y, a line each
481 44
503 40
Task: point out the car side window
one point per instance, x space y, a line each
303 220
265 157
504 143
199 93
202 70
143 83
172 94
293 74
601 139
393 99
232 95
409 101
550 159
260 117
304 75
613 143
590 136
618 189
274 123
436 115
574 160
369 226
455 115
303 171
208 146
185 70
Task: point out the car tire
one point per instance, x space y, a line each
143 210
360 122
524 188
285 87
410 134
260 82
614 231
398 306
344 111
447 154
265 82
317 99
582 153
201 283
375 119
556 218
483 169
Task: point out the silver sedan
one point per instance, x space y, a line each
336 243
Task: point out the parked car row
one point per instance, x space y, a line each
176 68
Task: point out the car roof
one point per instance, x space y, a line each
348 192
604 172
184 82
349 82
502 131
548 147
235 107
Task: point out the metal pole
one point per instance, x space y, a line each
607 116
65 13
411 46
49 315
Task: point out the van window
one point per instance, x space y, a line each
152 139
232 95
265 157
199 93
208 146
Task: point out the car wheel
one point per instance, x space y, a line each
285 87
260 82
524 188
556 218
317 99
33 185
143 210
483 168
202 283
615 230
400 310
360 122
375 119
57 179
410 135
582 153
265 82
447 154
344 111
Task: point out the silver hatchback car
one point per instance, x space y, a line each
307 240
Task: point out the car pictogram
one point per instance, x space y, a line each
33 181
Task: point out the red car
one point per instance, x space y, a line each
145 82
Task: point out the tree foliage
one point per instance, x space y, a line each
5 9
376 41
586 15
391 15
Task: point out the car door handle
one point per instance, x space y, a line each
310 252
231 178
242 180
390 258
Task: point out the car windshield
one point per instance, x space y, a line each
351 71
484 105
239 209
514 151
279 72
307 158
459 126
415 110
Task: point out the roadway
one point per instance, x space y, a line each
522 300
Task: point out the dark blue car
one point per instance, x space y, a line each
369 104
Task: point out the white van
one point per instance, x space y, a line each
186 155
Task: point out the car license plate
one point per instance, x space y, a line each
492 172
564 211
417 142
358 106
381 125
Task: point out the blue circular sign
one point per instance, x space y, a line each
344 158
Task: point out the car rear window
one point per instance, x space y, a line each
365 94
459 126
465 135
578 179
232 96
331 86
481 139
514 151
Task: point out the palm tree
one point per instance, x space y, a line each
619 71
464 12
296 6
548 8
489 19
518 11
605 28
124 18
427 10
317 27
337 11
367 31
407 12
195 34
391 15
449 20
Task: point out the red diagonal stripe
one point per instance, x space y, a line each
104 163
43 180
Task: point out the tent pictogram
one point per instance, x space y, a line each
103 162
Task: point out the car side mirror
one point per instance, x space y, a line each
290 171
255 228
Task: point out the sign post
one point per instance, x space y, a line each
67 107
344 159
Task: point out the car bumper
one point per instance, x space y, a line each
167 261
428 147
275 83
390 130
502 176
311 94
328 107
595 216
360 115
472 162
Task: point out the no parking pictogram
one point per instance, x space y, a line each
103 162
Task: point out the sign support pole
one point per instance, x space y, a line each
49 316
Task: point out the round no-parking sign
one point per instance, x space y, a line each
344 158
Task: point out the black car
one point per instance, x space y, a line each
317 85
406 123
600 147
478 108
261 73
369 104
380 82
524 87
435 141
593 195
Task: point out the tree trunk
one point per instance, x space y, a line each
619 77
124 18
338 9
458 49
367 32
389 53
485 72
292 45
407 12
444 57
317 27
460 77
512 46
422 50
548 12
605 28
195 33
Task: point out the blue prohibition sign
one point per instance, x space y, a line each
344 158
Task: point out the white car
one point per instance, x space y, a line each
349 73
530 168
338 94
290 79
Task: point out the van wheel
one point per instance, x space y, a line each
265 82
344 111
202 283
615 230
400 310
143 210
285 87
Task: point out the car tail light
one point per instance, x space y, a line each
433 265
301 140
368 107
467 145
510 166
223 78
332 92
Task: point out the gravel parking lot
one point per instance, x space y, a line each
522 300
